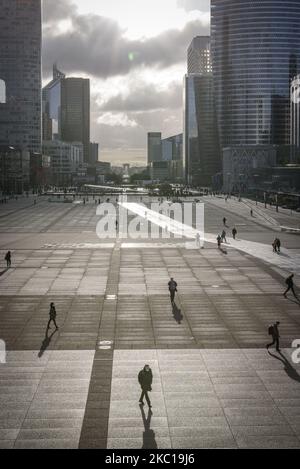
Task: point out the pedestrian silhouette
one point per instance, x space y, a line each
234 232
278 244
145 379
223 236
274 332
290 286
177 313
224 221
52 314
8 259
172 289
149 441
219 241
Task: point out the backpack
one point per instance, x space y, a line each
271 330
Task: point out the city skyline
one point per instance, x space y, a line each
136 65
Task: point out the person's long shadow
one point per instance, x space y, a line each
288 368
46 342
149 441
177 313
223 251
3 271
297 302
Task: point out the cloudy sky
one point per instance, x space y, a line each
134 52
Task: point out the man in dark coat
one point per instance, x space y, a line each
274 332
145 379
8 259
172 289
290 286
52 314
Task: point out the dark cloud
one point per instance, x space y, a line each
145 97
96 45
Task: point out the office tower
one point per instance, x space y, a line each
20 74
67 101
201 144
255 49
75 112
295 120
154 147
94 153
172 152
52 106
199 58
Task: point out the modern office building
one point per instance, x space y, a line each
65 160
295 120
255 48
75 112
93 153
199 57
172 151
201 143
20 74
241 164
14 170
67 103
154 148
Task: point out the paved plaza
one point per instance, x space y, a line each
215 385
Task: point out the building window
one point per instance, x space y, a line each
2 92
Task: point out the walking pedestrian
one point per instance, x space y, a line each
223 236
274 332
52 314
234 232
8 259
251 212
145 379
278 245
198 240
172 289
224 221
219 240
274 244
290 286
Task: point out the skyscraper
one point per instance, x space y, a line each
255 54
67 102
201 142
75 112
295 119
154 147
199 57
20 74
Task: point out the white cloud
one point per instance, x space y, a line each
116 119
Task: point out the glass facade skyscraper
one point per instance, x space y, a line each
201 143
199 59
255 49
20 74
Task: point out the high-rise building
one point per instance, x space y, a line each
201 144
94 153
67 102
255 49
199 58
295 120
75 112
20 74
154 147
